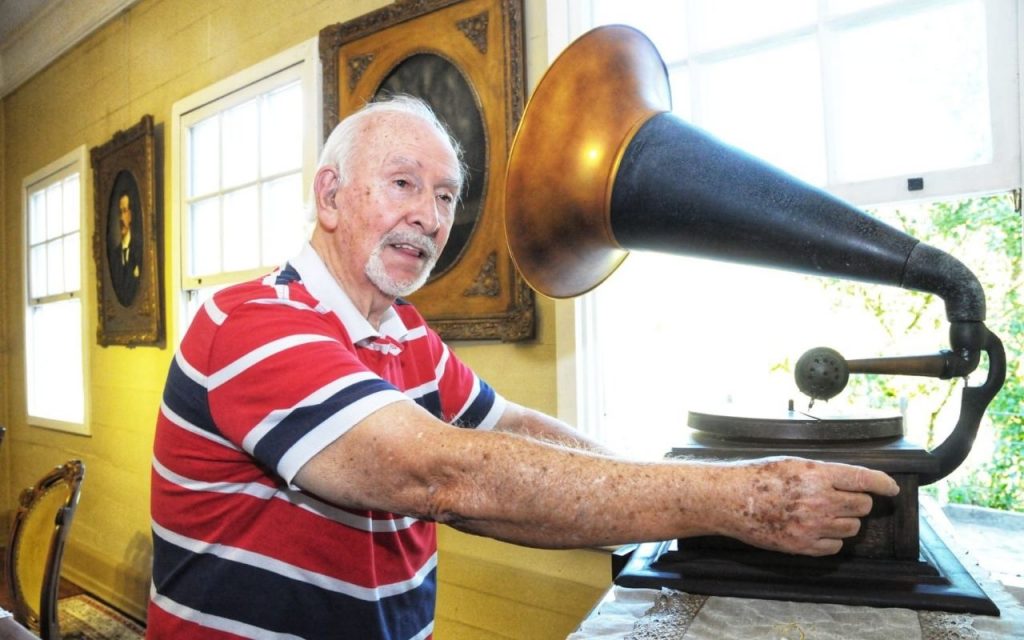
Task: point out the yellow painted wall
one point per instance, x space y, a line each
144 60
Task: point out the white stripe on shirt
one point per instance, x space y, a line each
273 565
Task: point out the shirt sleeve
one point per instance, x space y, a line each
286 384
466 399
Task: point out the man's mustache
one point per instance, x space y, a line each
424 243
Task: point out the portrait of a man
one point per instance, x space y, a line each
124 239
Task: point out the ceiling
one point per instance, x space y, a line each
16 13
33 33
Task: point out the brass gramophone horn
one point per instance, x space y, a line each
600 166
563 161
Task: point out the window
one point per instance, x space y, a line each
54 200
819 88
855 96
246 149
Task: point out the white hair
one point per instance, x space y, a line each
341 146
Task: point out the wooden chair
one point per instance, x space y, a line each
36 547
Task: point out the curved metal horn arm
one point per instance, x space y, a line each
955 448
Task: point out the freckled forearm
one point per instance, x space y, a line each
515 485
545 495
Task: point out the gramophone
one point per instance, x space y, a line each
599 167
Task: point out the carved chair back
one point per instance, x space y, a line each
36 547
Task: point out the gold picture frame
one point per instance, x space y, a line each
465 58
126 239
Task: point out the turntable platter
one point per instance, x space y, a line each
792 425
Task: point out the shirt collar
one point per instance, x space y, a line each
322 285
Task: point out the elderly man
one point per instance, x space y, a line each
314 430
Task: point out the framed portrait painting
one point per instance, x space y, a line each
465 59
126 238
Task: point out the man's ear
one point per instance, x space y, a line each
325 187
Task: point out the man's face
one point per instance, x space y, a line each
398 205
125 206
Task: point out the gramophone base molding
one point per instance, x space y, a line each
936 581
895 560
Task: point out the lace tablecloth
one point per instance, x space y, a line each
651 614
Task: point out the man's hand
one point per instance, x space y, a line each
799 506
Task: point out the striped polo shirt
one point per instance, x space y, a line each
270 373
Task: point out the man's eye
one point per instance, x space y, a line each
401 182
447 198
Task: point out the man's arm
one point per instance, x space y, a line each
519 489
540 426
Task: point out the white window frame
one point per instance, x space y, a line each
301 63
1004 21
577 357
75 161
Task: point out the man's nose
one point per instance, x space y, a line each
425 214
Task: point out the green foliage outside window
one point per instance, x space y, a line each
985 233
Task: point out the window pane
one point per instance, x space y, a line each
282 130
283 218
37 217
241 144
242 230
53 327
912 94
244 223
54 266
720 23
72 262
204 160
37 271
661 21
841 7
54 206
768 103
55 361
71 204
205 237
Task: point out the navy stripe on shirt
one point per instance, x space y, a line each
187 398
479 408
266 599
287 275
431 402
301 421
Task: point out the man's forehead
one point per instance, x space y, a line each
401 160
395 139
